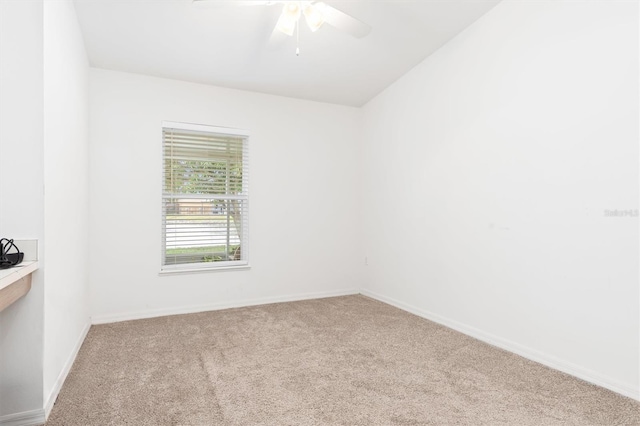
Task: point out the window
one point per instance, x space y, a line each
205 198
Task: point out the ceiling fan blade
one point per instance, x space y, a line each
342 21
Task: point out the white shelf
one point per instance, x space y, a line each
11 275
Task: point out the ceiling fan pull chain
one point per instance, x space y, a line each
298 37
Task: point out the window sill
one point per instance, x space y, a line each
199 270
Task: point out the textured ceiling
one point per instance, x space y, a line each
225 44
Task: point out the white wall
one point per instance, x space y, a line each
66 198
21 201
304 164
487 171
43 139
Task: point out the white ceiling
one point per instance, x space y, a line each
224 44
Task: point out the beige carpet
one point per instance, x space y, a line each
337 361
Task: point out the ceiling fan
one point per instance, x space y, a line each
316 14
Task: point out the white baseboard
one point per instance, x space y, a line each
65 371
27 418
153 313
526 352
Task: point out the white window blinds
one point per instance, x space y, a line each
205 198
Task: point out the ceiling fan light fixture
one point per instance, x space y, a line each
292 9
289 18
286 24
314 17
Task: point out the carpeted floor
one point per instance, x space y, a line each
338 361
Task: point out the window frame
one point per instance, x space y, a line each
206 266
